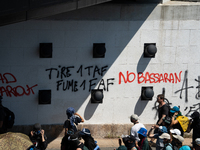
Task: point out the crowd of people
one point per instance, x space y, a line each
168 131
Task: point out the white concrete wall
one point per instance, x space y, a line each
175 33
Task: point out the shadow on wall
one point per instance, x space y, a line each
132 12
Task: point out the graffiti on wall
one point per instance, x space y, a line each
8 90
150 77
62 73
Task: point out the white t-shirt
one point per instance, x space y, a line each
135 129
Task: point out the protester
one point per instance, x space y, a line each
38 137
166 140
89 141
195 125
129 142
73 120
178 120
174 132
159 142
121 147
178 141
197 142
66 144
163 110
135 128
75 143
143 144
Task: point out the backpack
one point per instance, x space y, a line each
168 145
9 118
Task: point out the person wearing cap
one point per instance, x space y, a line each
73 120
166 140
174 132
197 142
176 119
38 137
136 127
159 142
143 143
66 143
75 142
89 141
178 139
194 124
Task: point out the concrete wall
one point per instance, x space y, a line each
124 29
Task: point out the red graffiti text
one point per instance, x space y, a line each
150 77
14 91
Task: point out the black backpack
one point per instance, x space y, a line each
9 118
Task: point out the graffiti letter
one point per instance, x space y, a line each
109 83
91 83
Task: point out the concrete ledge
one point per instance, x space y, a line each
97 130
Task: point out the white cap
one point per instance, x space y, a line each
178 137
134 117
197 141
175 131
165 136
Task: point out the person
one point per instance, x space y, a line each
177 120
178 141
174 132
38 137
89 141
73 120
66 144
2 117
194 124
163 110
159 142
197 142
135 128
75 143
121 147
129 142
166 140
143 144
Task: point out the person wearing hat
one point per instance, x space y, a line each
178 140
166 140
136 127
176 115
159 142
89 141
38 137
73 120
143 143
195 125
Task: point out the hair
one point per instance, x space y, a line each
161 96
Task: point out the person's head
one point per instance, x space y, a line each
165 137
70 111
134 118
142 133
85 133
176 110
175 132
178 140
37 128
74 139
197 141
160 98
195 115
162 129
